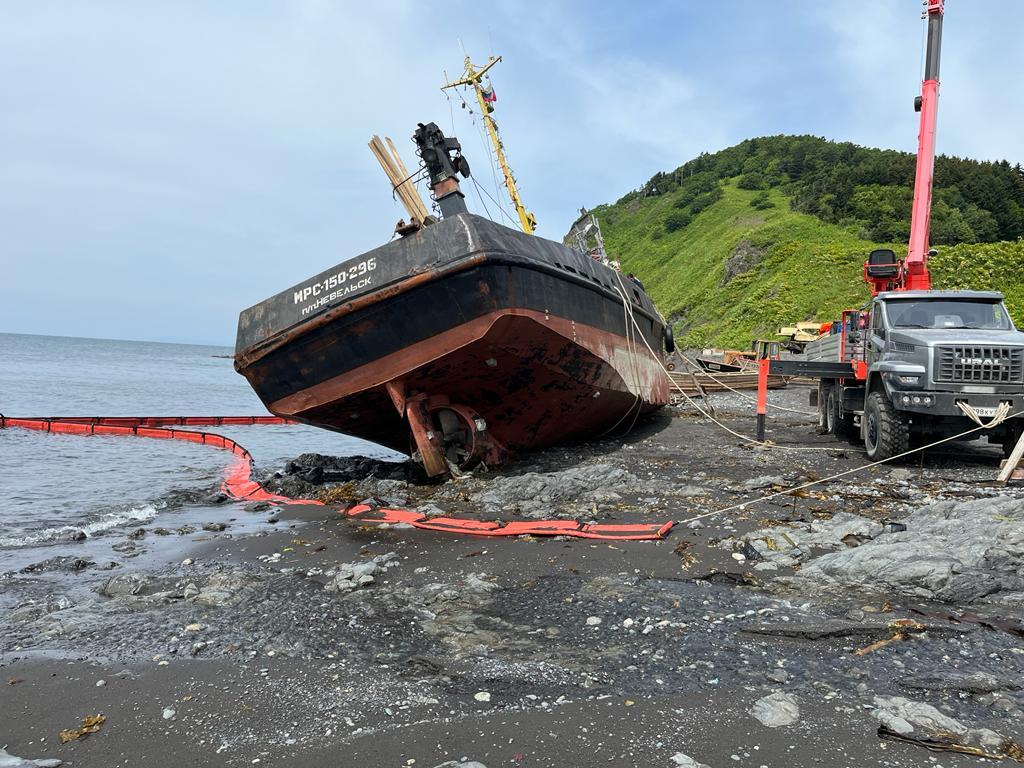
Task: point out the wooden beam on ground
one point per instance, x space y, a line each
1011 464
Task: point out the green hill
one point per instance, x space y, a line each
771 231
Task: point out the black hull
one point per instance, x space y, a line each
530 335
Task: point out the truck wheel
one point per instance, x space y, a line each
886 434
832 420
824 400
838 425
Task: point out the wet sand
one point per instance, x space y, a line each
252 649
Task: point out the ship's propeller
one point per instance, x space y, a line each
458 437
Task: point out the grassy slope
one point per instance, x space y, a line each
810 270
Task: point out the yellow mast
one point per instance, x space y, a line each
474 77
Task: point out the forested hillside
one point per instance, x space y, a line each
734 244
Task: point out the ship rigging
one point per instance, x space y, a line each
473 78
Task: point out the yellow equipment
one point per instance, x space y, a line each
473 78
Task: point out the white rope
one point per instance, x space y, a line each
743 505
627 312
709 417
751 399
1001 414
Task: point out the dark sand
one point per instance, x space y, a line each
267 667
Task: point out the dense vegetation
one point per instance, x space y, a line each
734 244
868 191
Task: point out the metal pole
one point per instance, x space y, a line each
762 396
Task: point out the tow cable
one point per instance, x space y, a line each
239 485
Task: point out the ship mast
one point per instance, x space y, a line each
473 77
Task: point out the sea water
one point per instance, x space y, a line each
54 486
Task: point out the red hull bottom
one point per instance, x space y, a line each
534 379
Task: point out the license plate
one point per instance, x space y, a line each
986 412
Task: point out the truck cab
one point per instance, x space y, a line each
926 352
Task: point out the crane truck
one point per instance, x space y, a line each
915 362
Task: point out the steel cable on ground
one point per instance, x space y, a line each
1002 414
787 491
747 397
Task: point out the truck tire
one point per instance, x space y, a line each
824 397
838 425
886 433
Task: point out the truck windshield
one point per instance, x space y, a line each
948 313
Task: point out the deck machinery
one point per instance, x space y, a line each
915 362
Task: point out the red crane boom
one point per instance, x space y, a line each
912 274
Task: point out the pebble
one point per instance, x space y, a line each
482 696
169 713
593 621
187 561
100 683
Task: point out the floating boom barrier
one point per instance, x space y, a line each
239 485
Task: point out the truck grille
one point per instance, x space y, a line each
988 365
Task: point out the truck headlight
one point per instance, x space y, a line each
908 380
916 398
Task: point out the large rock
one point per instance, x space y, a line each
13 761
905 716
800 540
224 588
457 613
953 551
685 761
34 609
122 584
538 494
349 576
776 710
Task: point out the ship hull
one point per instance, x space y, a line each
533 343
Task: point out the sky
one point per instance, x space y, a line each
165 164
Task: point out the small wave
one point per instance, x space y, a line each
90 529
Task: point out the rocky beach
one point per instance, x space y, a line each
875 619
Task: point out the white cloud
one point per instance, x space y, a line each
215 153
